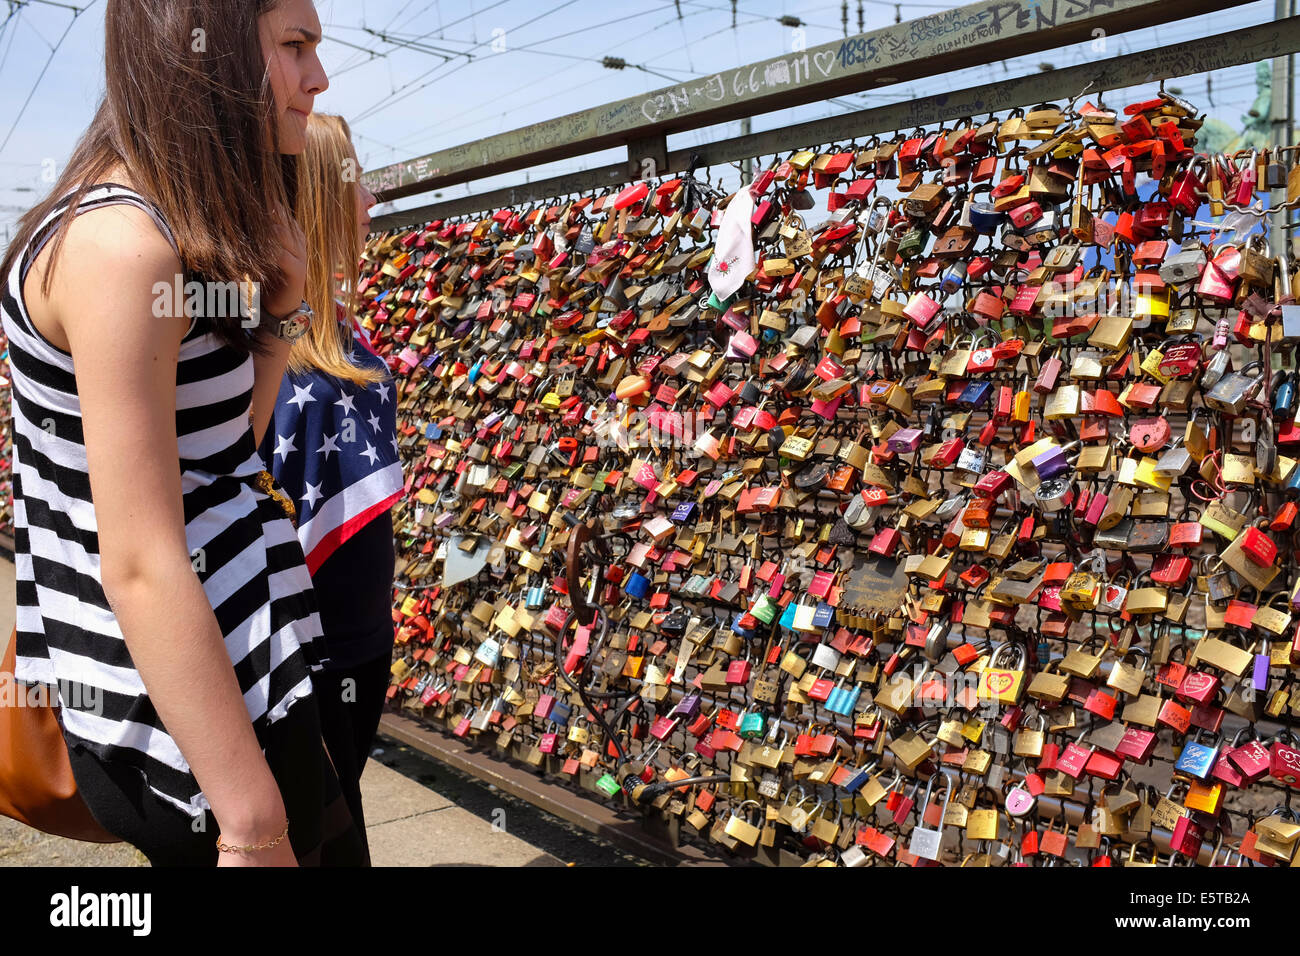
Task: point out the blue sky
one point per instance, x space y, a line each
436 78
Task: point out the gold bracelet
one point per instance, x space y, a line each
230 848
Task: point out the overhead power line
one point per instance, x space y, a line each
40 76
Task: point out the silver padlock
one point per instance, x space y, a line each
1183 266
1290 313
1174 460
925 841
936 640
1054 494
1218 366
950 507
1230 393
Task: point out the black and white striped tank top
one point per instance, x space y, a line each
246 552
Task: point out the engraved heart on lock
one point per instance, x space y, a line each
1019 801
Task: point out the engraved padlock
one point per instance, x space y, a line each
1230 393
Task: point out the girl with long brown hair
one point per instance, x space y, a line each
156 574
333 448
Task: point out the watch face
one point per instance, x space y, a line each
295 326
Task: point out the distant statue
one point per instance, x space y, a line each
1216 136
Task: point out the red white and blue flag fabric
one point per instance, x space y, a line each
333 448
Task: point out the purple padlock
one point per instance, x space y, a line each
1053 462
1259 678
686 707
905 440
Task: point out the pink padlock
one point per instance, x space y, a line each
1019 801
1214 284
1073 759
921 309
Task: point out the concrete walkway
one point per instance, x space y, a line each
409 824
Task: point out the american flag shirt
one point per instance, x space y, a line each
333 448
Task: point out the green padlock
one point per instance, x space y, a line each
765 609
752 725
608 785
913 242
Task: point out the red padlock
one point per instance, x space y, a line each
1207 717
1225 772
1175 715
700 724
885 541
1100 703
738 672
1187 837
1171 569
1051 753
1285 517
1186 534
1284 762
662 727
1137 744
1104 765
1251 758
1258 546
1198 686
993 484
821 689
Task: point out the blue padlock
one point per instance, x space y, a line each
858 777
843 699
1292 487
975 394
741 631
787 616
637 585
560 712
984 219
954 277
1197 759
536 597
1284 398
475 371
824 616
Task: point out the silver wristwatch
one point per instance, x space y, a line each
294 325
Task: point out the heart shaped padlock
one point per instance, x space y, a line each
1149 434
